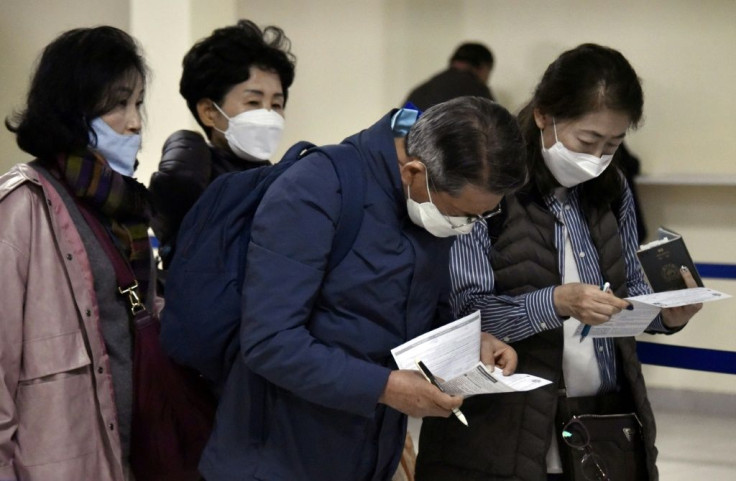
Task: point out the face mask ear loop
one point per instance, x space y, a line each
541 133
220 110
223 114
426 178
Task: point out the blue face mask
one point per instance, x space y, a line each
119 150
404 119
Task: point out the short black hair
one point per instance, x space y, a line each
217 63
470 140
75 82
476 54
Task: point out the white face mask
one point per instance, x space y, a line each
253 134
428 216
572 168
119 150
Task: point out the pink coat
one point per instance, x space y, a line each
57 412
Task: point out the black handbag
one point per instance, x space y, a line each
600 439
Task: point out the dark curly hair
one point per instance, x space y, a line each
76 80
216 63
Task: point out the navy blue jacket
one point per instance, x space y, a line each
301 403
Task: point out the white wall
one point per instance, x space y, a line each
166 29
341 54
706 217
359 58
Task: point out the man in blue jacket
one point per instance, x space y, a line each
316 394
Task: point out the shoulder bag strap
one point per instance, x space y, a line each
127 284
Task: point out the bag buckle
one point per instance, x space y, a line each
134 301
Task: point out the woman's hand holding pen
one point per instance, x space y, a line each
587 303
677 317
409 392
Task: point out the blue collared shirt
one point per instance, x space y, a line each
513 318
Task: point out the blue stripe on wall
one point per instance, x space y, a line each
687 357
710 360
716 271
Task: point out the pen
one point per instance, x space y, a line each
586 328
430 377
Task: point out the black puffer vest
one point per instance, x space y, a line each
509 434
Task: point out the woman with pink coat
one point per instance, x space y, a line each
66 392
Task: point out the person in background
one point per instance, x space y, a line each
236 84
66 394
315 393
535 272
467 74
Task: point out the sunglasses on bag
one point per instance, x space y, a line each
576 435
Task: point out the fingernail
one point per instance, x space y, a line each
684 269
630 307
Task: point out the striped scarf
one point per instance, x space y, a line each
121 203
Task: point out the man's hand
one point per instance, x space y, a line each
676 317
409 392
494 352
587 303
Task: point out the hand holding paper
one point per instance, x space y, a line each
433 380
671 273
408 392
634 322
494 352
452 353
676 317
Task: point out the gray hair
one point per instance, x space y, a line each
469 140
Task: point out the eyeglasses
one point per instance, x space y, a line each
576 435
472 219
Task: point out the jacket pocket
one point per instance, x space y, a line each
53 355
55 401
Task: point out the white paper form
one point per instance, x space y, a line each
479 380
447 351
682 297
452 354
646 307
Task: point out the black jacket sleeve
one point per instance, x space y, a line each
183 174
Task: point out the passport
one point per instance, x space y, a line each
661 261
